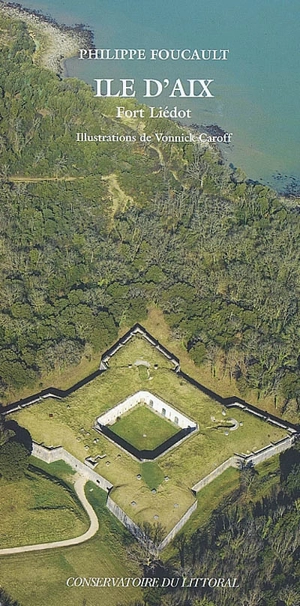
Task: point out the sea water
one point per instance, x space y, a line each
256 90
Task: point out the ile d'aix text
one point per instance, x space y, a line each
108 87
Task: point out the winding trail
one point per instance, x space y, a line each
94 525
16 179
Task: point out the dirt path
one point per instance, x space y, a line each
94 525
38 179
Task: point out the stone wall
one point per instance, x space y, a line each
123 517
240 461
158 405
49 455
110 417
265 416
137 329
143 454
178 526
232 462
52 392
136 530
269 451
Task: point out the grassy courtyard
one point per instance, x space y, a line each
70 423
143 428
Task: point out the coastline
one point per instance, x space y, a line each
54 42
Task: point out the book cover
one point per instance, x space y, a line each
149 368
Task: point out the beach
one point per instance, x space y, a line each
54 42
251 100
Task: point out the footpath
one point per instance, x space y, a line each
94 525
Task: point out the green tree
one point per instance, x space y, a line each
5 432
14 460
6 600
198 353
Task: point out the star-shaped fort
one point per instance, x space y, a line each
148 434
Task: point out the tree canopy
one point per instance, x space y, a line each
92 234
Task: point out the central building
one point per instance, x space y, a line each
145 425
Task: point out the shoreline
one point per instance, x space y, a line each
57 42
54 42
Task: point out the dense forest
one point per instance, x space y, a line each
92 234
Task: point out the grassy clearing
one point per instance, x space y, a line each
71 425
143 428
41 577
152 474
143 373
120 199
37 509
58 469
139 349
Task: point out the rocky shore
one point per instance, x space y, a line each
54 42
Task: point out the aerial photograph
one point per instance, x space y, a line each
149 303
